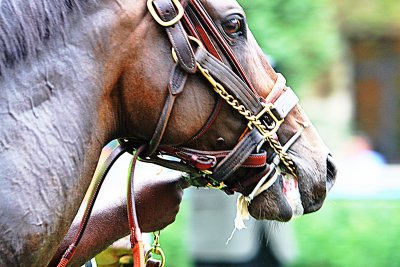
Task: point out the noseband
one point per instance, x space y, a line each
185 23
189 23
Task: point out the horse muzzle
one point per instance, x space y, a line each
313 193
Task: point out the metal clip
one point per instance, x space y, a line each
272 128
219 186
156 249
157 18
203 162
191 38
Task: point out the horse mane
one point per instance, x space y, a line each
25 26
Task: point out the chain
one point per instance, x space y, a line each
285 158
220 90
253 120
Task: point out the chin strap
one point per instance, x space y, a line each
243 202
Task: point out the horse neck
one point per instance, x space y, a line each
55 118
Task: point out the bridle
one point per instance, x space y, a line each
264 116
187 23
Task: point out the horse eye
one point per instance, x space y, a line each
232 27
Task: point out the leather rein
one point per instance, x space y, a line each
187 22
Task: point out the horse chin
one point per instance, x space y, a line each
279 202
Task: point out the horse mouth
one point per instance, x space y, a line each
289 197
281 202
292 194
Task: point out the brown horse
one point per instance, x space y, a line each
77 74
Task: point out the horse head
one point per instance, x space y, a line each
199 121
78 74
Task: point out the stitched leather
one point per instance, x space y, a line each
135 232
177 36
194 28
198 158
176 85
177 80
98 181
225 47
285 103
237 156
232 83
197 29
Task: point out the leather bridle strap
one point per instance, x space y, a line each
98 179
177 35
185 58
229 79
137 245
238 93
237 156
206 160
196 29
175 87
186 64
203 16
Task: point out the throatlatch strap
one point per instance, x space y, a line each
175 87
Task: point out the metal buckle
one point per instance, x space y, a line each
272 128
156 250
157 18
191 38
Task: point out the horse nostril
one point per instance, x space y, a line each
331 172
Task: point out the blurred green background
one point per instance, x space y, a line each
343 58
353 233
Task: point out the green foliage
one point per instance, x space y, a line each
344 233
372 17
350 233
301 36
175 238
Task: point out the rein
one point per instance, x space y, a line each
186 23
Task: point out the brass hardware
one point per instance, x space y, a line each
267 131
156 249
219 186
206 172
191 38
157 18
273 128
254 120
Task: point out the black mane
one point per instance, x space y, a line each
26 25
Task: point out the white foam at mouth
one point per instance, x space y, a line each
292 193
290 190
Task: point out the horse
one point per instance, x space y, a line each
77 74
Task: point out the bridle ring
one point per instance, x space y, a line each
191 38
